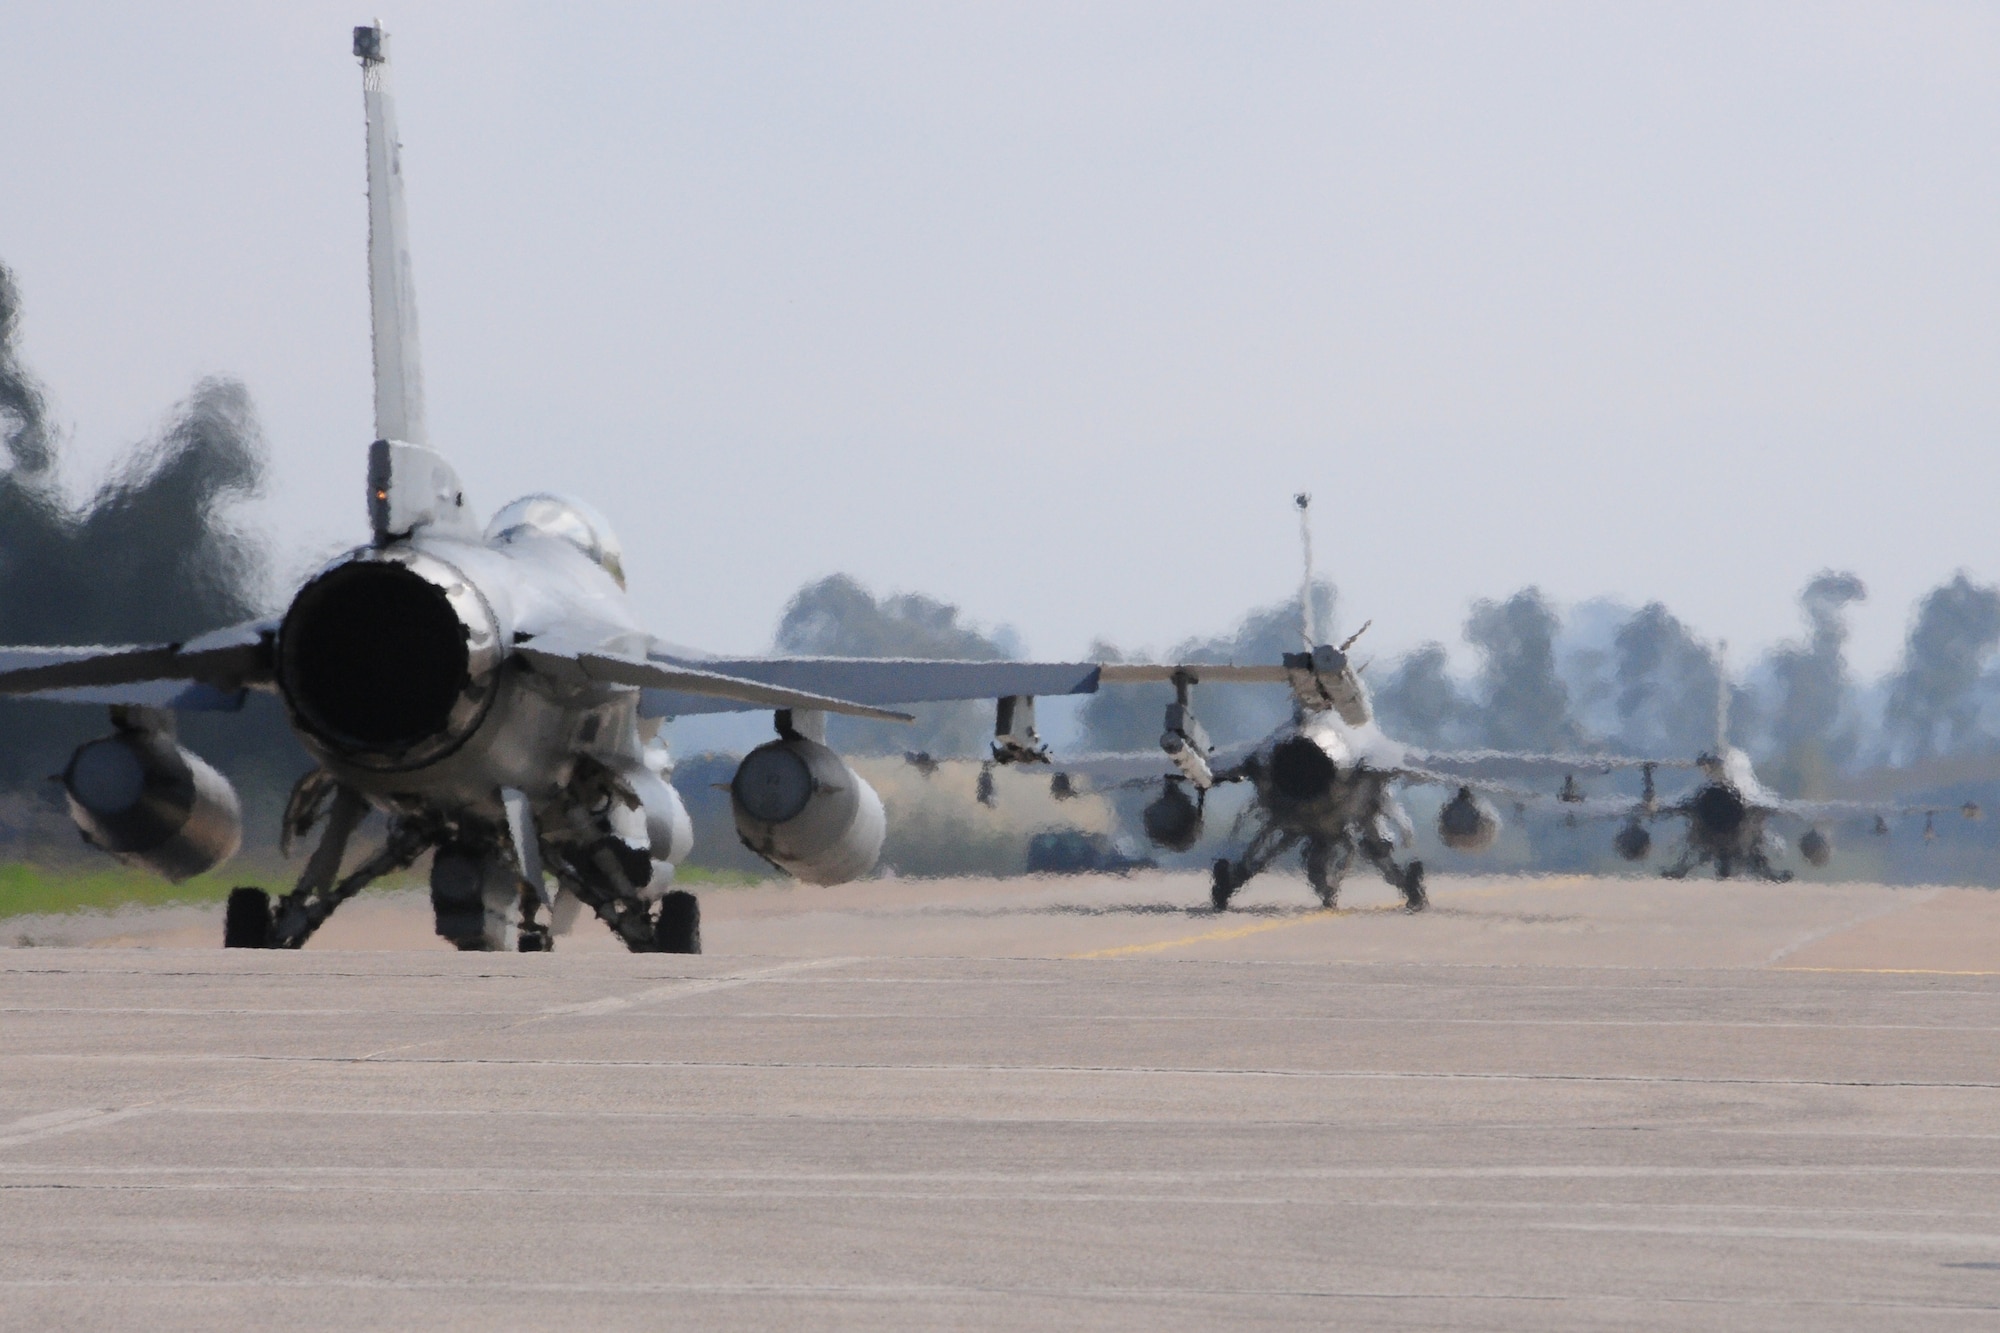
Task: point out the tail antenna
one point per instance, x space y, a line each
1303 502
1721 697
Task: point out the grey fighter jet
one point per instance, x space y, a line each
1730 814
1324 782
488 691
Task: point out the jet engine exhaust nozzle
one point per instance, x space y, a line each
1719 809
387 659
1301 771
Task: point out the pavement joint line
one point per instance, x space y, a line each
1974 1239
1471 1210
1893 906
902 1290
689 986
1109 1176
1499 1131
611 1004
295 1062
34 1128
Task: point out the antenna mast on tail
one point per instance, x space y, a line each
399 381
1303 500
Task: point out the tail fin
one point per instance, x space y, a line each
410 485
1303 501
1721 697
399 380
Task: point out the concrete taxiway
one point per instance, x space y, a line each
1076 1103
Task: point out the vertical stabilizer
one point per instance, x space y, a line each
1303 500
1722 698
399 381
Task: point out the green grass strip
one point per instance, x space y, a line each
32 890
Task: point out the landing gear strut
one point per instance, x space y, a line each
1409 878
251 921
1326 865
1269 844
606 877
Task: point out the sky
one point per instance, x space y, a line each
1047 309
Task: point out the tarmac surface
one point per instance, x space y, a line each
1090 1102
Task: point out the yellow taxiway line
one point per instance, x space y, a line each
1232 933
1893 971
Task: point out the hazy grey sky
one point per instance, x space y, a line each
1046 309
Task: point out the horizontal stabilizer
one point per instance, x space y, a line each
1512 793
180 696
226 661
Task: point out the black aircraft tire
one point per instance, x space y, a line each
246 922
1414 897
678 928
1321 874
1224 886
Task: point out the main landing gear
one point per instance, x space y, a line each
252 921
479 897
1268 845
1326 864
609 878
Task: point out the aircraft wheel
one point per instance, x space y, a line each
246 922
1414 897
1224 886
678 928
1324 874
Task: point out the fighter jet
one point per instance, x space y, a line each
485 688
1729 813
1324 782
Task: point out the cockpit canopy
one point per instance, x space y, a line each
559 516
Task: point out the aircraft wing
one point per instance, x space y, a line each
1488 762
872 681
1815 810
208 672
1142 673
654 678
1598 809
1142 768
1137 768
1489 785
